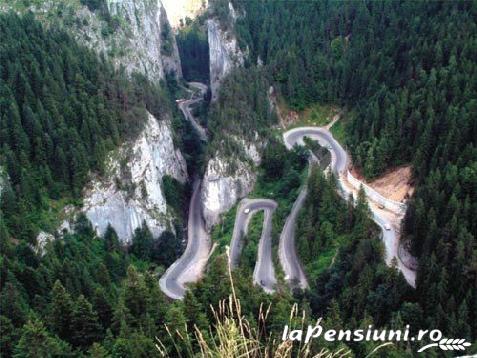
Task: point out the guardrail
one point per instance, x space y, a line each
392 205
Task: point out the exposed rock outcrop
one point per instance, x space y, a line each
148 45
134 34
42 239
130 192
227 180
3 180
224 52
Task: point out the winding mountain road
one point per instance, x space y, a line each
294 274
263 274
339 161
289 260
185 107
189 267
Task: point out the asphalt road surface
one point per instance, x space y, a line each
190 265
339 161
188 268
185 107
263 274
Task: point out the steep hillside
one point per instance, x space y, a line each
224 52
238 115
136 38
406 71
132 34
62 110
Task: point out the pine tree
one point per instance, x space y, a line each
98 351
35 341
142 242
61 311
135 295
85 325
103 307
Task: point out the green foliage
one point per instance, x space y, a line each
176 195
85 324
61 311
163 250
93 5
61 110
321 153
242 109
82 290
323 225
35 342
317 114
142 242
342 252
282 173
406 71
222 232
338 131
167 39
248 256
190 144
194 52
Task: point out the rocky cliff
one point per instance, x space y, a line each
227 180
134 34
130 192
146 41
3 180
224 52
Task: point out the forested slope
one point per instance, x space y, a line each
407 73
62 109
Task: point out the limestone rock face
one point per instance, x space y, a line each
147 43
133 34
224 52
130 193
3 180
42 239
226 181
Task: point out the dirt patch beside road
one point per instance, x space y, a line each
395 184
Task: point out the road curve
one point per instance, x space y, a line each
189 267
263 274
289 260
339 161
339 158
185 106
291 265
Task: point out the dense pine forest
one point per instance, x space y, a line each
405 75
194 50
62 110
406 72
